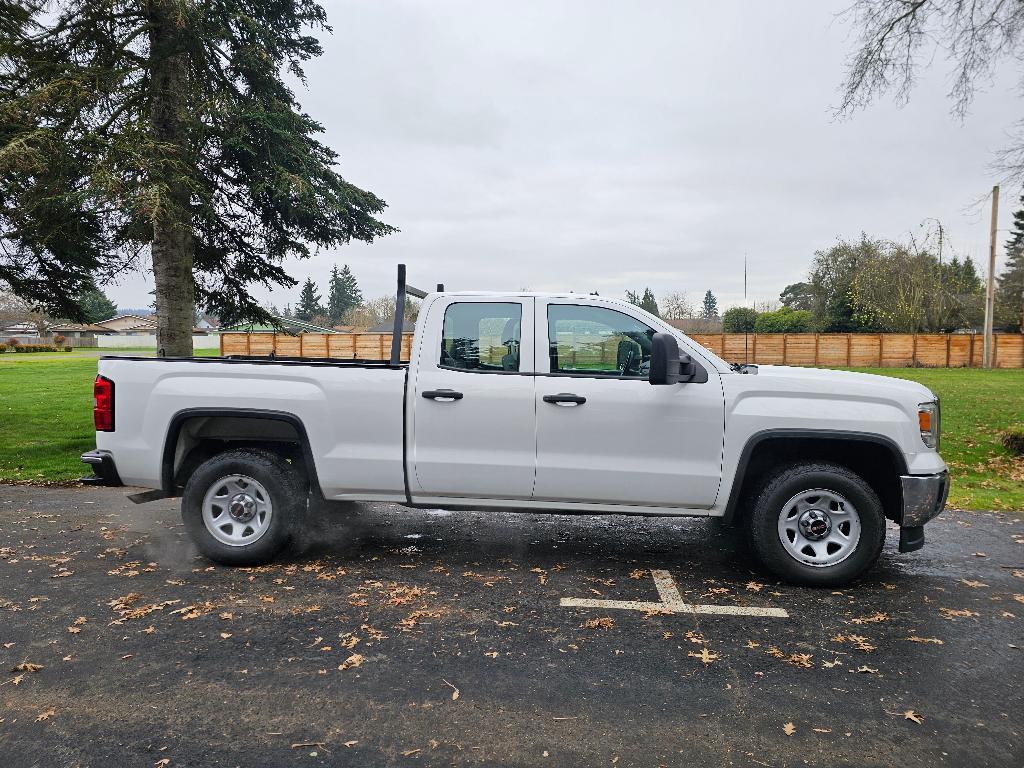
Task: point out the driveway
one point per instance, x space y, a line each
425 637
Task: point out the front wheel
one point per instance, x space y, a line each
240 507
817 525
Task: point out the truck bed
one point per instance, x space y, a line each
351 413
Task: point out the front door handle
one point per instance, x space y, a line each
565 398
443 395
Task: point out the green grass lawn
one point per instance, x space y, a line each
46 423
976 406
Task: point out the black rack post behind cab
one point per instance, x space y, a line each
403 290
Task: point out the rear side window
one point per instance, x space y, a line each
482 336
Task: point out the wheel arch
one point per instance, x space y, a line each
191 429
876 458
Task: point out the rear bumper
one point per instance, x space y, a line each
103 467
924 497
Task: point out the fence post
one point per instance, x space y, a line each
995 350
949 338
881 345
913 351
815 350
785 343
849 343
970 353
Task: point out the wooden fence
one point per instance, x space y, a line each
882 350
879 350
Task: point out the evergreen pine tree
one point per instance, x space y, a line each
168 126
309 305
709 309
649 304
96 306
1010 293
344 293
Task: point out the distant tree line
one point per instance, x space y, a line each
344 305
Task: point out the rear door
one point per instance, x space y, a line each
606 435
473 405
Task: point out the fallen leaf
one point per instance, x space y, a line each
352 661
491 654
162 763
410 752
350 743
605 622
225 635
455 691
868 670
822 730
912 715
74 630
916 639
789 729
27 666
973 584
872 619
705 655
46 715
952 613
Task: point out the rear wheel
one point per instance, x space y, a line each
241 507
817 525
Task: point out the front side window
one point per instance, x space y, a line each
482 336
598 341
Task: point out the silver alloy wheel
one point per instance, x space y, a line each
819 528
237 510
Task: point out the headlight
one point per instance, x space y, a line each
928 418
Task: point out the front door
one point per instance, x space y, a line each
473 406
604 434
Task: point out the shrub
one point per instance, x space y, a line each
68 349
58 340
34 348
13 342
1013 440
739 320
3 348
785 320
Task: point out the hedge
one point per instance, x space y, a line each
32 348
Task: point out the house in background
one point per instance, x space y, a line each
130 325
285 325
79 330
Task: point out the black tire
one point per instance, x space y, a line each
284 485
771 503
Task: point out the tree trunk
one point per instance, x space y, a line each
172 246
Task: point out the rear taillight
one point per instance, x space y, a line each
103 404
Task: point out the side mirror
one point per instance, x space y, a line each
668 366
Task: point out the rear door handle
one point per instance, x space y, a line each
565 398
443 395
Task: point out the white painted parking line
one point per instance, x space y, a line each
672 602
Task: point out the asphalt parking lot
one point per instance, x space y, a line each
404 637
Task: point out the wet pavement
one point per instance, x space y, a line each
422 637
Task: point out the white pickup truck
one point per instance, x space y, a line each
530 402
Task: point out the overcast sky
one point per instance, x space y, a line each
607 146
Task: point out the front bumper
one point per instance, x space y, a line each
103 467
924 497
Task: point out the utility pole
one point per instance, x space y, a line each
990 293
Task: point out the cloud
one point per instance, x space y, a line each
592 145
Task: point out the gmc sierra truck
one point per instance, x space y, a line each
530 402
